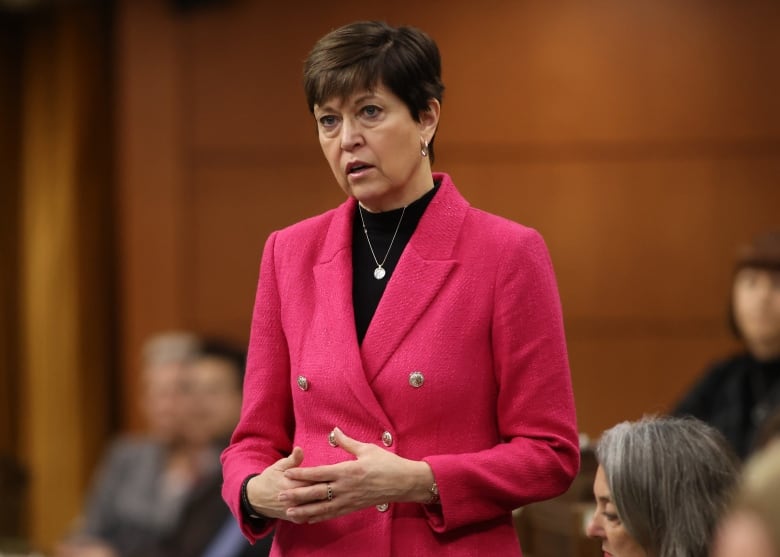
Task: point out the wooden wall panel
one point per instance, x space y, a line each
66 350
534 73
236 208
571 72
10 107
151 194
642 139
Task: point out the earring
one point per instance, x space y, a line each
423 147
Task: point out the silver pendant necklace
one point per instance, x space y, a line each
379 272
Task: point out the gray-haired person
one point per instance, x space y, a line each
661 486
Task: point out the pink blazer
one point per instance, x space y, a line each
472 307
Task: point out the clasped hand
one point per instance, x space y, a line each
373 477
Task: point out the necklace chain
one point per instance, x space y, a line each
379 272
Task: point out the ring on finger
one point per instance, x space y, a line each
329 496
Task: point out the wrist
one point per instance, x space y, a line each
425 490
246 506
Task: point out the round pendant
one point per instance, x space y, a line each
379 273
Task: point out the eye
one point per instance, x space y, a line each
612 517
328 121
371 111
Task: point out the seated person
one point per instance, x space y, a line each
769 431
752 527
737 394
140 487
661 486
206 527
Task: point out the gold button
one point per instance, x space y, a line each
383 507
387 438
416 379
332 438
303 383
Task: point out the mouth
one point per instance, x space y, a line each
357 167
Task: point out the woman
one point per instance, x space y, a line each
752 527
738 394
407 379
661 487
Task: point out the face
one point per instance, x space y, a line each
757 310
373 147
216 400
607 526
164 398
742 534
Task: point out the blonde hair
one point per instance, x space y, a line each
759 490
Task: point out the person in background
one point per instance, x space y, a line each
752 527
737 394
139 489
768 431
206 528
407 382
661 487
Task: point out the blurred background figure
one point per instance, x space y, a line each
738 394
206 528
142 483
769 431
661 487
752 528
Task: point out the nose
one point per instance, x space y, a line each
594 528
351 136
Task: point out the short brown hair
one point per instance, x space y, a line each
361 55
761 253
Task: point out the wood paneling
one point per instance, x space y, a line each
10 104
65 303
642 139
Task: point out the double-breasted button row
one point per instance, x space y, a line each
387 439
416 380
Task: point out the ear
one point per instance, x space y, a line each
429 119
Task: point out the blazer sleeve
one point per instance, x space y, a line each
265 430
539 454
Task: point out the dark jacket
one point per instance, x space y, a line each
735 396
203 517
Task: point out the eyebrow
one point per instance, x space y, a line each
363 98
327 107
604 499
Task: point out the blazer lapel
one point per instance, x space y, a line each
333 283
422 270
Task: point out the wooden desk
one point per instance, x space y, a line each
556 528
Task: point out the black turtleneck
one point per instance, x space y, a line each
367 290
